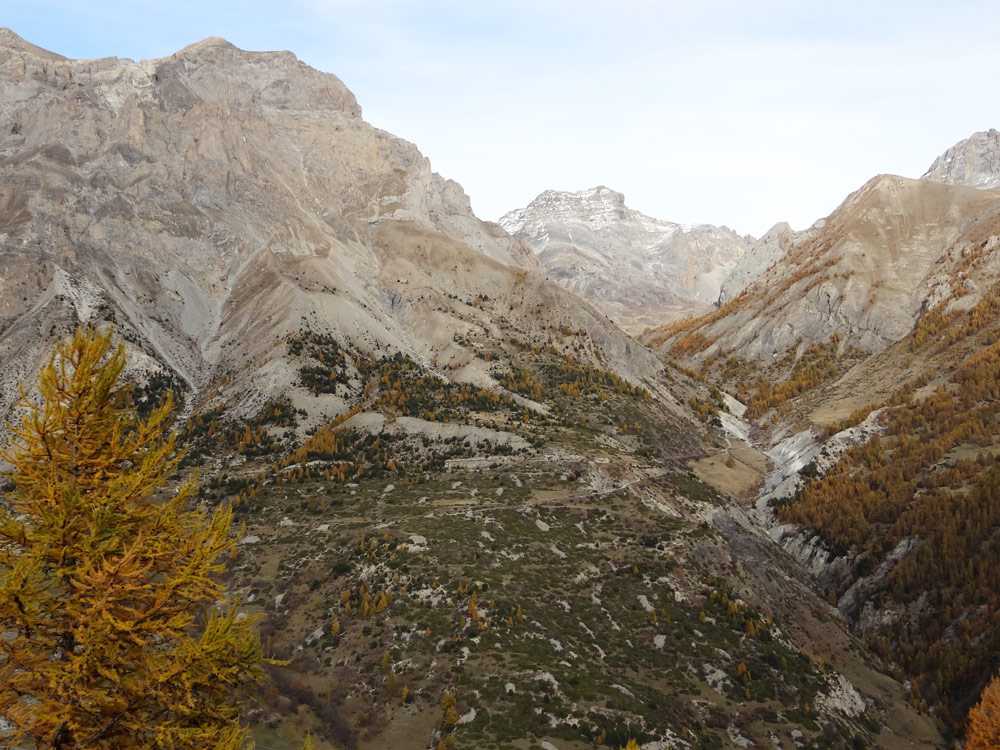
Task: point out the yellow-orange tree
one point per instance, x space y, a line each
110 637
983 732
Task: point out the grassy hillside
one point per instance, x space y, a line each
526 564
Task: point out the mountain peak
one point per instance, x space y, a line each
973 162
11 41
597 193
592 243
248 163
596 207
211 42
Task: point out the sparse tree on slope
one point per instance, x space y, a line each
984 720
105 589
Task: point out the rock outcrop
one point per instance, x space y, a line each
973 162
760 256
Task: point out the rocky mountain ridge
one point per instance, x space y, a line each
213 201
640 268
893 249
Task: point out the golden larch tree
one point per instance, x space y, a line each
983 731
108 581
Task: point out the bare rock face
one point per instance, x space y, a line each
974 162
215 200
592 243
761 255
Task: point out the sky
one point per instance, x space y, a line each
712 111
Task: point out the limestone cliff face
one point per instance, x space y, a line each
761 255
212 201
973 162
592 243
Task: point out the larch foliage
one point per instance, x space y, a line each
449 705
983 732
107 581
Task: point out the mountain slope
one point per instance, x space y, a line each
892 249
867 357
760 256
213 201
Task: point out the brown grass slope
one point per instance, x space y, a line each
891 249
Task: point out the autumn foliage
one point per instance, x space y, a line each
926 487
106 587
984 720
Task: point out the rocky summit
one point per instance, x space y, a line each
634 266
974 162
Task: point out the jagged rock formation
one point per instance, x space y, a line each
214 200
973 162
592 243
761 255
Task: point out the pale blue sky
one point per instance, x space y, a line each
737 113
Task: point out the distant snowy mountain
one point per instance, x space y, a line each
974 162
592 243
